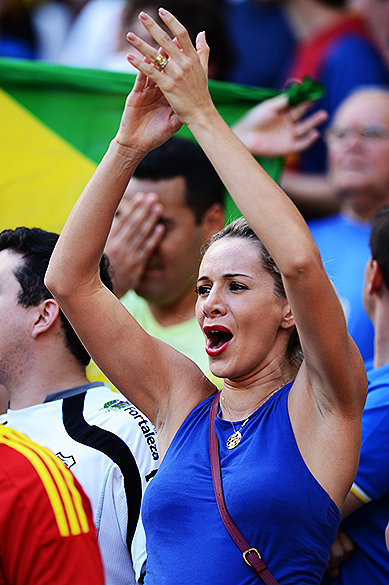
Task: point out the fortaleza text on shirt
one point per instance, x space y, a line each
147 429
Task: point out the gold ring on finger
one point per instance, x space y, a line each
160 61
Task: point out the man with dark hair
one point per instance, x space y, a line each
179 157
36 246
107 443
366 509
172 206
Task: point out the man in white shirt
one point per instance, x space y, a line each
107 443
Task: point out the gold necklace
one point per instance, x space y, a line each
236 437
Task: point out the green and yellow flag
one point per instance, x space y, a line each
56 124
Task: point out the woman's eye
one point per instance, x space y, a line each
236 286
202 290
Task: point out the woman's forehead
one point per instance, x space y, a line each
232 254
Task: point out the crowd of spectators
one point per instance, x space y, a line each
339 181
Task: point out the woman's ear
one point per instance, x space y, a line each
47 313
287 319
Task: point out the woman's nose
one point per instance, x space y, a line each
213 304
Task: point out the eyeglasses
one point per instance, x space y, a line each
367 132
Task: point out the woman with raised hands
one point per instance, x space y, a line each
288 423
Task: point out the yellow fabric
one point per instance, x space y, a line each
39 171
57 480
360 494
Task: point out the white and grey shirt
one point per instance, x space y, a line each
111 448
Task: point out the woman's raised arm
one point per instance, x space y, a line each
143 368
332 360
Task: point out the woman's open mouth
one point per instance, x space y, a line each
217 339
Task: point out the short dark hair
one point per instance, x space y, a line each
179 157
379 241
35 246
239 228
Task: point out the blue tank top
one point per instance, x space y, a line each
270 493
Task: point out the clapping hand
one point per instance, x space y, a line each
178 68
148 120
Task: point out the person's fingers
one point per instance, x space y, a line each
153 74
163 53
163 39
279 102
341 549
202 51
306 141
300 109
175 41
140 82
263 112
133 210
150 53
150 84
140 206
120 222
311 122
154 239
140 218
178 30
150 217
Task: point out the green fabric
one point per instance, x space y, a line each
84 106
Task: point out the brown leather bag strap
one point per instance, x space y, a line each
250 555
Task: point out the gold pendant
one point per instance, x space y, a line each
234 440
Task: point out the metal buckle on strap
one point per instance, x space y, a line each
249 551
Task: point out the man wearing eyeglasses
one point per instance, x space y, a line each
358 150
